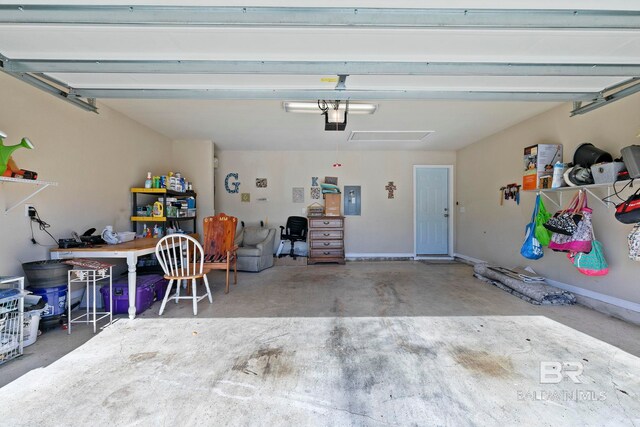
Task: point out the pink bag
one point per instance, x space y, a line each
580 240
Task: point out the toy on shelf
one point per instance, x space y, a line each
7 166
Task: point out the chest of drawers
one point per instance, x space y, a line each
326 239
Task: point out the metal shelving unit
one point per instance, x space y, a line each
164 193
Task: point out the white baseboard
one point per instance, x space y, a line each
618 302
433 258
378 255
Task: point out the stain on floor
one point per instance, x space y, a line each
264 362
141 357
483 363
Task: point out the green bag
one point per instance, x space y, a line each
542 234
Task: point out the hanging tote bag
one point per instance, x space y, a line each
566 221
531 248
593 263
542 234
580 240
634 243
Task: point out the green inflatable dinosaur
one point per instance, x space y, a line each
6 151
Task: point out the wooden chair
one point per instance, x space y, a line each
219 246
182 258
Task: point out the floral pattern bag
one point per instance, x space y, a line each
634 243
580 240
566 221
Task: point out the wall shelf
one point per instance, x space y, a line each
587 188
161 218
38 183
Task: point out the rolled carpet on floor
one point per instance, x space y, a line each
538 293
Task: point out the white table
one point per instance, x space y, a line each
128 250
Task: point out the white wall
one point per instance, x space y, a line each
194 158
385 226
95 158
494 233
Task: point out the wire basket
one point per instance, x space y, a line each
10 328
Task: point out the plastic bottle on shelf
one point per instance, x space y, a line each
158 209
149 182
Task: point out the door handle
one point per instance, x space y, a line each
446 215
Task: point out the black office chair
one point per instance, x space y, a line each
295 231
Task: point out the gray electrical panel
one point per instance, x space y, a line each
352 200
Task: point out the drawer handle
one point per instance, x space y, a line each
326 243
326 253
326 234
326 222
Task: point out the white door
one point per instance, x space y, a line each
432 210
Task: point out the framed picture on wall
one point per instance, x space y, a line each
297 195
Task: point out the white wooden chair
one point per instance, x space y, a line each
181 258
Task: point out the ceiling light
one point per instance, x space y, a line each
334 112
312 107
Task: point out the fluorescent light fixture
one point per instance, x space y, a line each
335 116
312 107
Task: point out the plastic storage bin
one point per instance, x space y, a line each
31 324
160 284
606 173
631 159
55 297
145 293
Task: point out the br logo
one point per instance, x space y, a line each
554 372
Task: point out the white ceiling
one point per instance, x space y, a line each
262 124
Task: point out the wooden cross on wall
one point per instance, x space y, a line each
390 187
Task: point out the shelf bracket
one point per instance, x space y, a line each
598 197
546 196
41 184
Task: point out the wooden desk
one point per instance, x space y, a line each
128 250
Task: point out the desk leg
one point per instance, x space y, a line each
132 260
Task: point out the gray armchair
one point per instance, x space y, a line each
255 248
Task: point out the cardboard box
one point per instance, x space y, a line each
332 203
538 165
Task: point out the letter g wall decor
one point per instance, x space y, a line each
232 187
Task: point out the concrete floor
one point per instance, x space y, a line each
334 371
359 289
